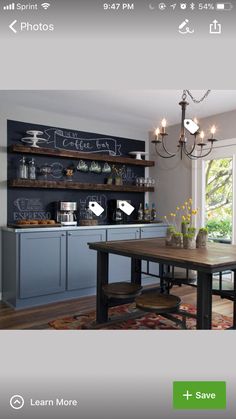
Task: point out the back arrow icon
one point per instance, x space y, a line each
11 26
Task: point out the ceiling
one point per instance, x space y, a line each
140 108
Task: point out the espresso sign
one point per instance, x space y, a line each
27 208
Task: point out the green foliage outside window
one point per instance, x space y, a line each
219 198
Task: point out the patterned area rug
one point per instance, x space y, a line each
143 321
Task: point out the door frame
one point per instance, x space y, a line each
225 147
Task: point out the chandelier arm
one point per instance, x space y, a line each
189 153
164 147
192 157
209 151
164 157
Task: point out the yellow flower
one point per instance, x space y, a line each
173 215
183 217
186 203
183 207
190 200
177 208
189 208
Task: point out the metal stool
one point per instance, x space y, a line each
121 290
162 304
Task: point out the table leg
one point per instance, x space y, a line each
204 300
102 278
136 271
164 286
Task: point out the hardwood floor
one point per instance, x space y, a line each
35 317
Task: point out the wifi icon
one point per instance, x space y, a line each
45 5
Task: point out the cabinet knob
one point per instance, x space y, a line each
69 234
63 234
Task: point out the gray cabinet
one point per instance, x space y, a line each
42 263
41 267
120 266
81 261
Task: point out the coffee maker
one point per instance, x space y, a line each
66 213
115 214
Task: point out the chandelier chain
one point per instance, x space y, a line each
206 94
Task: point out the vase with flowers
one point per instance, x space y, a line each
181 231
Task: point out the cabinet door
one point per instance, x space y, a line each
82 261
42 263
152 268
120 266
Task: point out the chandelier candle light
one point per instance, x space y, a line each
196 150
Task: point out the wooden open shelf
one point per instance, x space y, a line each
17 148
54 184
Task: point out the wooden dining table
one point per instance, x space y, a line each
216 257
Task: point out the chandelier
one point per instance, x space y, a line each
199 147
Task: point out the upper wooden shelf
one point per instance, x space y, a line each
55 184
17 148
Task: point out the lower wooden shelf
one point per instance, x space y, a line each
54 184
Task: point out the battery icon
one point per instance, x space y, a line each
224 6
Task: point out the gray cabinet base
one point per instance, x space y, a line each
49 299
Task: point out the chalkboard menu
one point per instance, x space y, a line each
40 203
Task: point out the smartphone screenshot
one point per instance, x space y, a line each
117 209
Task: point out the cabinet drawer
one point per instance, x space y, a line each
151 232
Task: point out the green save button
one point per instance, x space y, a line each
193 395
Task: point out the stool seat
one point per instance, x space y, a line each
158 303
121 290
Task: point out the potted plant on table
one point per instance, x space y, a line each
180 231
202 237
189 241
177 240
170 231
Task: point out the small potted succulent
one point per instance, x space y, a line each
192 230
169 233
184 227
202 237
189 241
177 240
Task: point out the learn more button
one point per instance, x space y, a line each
193 395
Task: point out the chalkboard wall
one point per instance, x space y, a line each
39 203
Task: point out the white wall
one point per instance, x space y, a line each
50 119
175 175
